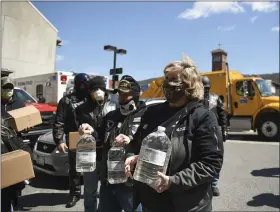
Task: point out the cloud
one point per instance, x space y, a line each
253 19
263 6
59 58
206 9
226 28
275 29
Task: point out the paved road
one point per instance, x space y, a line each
249 180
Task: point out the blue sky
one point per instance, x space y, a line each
156 33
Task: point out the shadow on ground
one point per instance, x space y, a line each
266 199
42 180
29 201
268 172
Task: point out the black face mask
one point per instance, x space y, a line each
81 93
172 93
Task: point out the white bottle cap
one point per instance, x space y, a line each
161 129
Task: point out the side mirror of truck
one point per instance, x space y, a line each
245 88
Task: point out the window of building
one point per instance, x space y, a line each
217 58
39 91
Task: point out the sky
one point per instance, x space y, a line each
157 33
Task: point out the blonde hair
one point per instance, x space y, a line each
189 76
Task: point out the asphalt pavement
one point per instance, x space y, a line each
249 180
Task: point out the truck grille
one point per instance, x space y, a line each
46 148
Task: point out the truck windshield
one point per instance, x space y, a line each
264 88
23 96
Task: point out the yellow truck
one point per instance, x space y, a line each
248 101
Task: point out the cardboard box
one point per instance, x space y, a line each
16 167
74 137
25 117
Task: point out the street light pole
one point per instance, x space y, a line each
114 67
115 71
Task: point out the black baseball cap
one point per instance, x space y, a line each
7 82
128 84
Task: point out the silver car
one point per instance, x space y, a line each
47 158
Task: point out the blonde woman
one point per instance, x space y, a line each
197 146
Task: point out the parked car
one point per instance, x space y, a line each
47 158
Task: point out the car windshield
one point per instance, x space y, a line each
21 94
264 88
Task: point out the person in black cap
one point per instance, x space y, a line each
65 121
119 128
91 113
8 99
216 104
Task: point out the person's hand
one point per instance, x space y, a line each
121 140
85 129
163 183
62 147
129 164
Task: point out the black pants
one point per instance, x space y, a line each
6 200
74 176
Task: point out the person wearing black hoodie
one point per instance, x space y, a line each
119 128
197 147
91 112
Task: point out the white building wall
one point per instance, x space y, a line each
29 40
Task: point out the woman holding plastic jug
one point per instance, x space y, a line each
196 153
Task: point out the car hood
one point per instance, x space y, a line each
43 107
48 138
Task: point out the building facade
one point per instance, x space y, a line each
29 40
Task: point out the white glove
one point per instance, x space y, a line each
122 140
85 129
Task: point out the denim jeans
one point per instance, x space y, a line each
115 198
90 189
215 180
